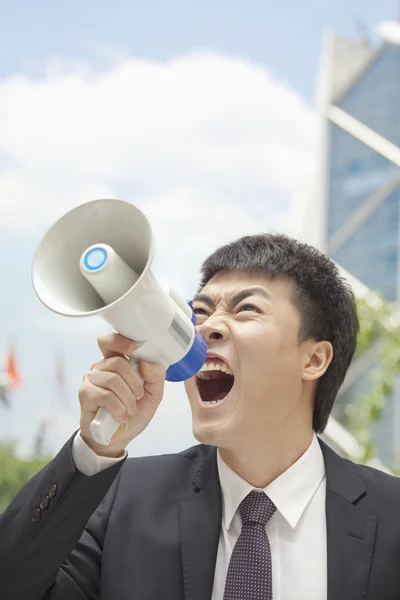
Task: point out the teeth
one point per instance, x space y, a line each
211 366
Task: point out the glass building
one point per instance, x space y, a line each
359 100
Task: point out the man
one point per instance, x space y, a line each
261 508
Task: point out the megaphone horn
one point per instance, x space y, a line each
96 260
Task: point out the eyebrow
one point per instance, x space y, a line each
257 291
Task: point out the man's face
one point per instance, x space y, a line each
251 327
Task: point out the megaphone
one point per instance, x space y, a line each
96 260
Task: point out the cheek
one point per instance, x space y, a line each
258 344
267 356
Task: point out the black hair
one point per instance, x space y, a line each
326 302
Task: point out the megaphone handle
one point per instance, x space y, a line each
104 425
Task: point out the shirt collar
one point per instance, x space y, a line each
291 492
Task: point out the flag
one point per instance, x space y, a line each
10 378
11 370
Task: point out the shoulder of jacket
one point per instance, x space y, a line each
376 479
195 454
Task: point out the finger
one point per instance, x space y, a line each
92 397
152 372
114 383
154 378
121 366
114 344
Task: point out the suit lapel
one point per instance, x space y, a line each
200 523
350 532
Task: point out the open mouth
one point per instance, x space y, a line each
214 382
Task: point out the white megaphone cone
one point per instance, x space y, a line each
96 261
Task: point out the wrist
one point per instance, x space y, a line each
100 450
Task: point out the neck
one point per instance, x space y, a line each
260 461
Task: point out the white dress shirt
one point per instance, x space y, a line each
296 532
87 461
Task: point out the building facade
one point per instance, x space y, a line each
358 200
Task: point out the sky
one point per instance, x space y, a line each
201 114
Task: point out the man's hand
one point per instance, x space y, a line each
113 384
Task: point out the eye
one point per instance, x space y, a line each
200 311
248 308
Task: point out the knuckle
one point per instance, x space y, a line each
116 362
115 342
114 339
126 342
103 339
87 395
83 388
110 378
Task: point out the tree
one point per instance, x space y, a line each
15 472
380 326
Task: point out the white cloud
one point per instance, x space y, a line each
201 133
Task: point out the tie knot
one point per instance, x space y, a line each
256 508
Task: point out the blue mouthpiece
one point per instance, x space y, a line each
190 364
95 259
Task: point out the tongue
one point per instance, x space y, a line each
212 391
216 387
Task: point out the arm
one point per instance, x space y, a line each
36 541
51 538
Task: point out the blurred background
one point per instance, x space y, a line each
217 119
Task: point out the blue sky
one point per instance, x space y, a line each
200 113
285 34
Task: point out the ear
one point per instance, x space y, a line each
317 358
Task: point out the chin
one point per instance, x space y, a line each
204 436
211 434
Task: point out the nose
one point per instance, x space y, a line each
214 328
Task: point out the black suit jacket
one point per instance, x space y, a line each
148 529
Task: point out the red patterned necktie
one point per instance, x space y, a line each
250 568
